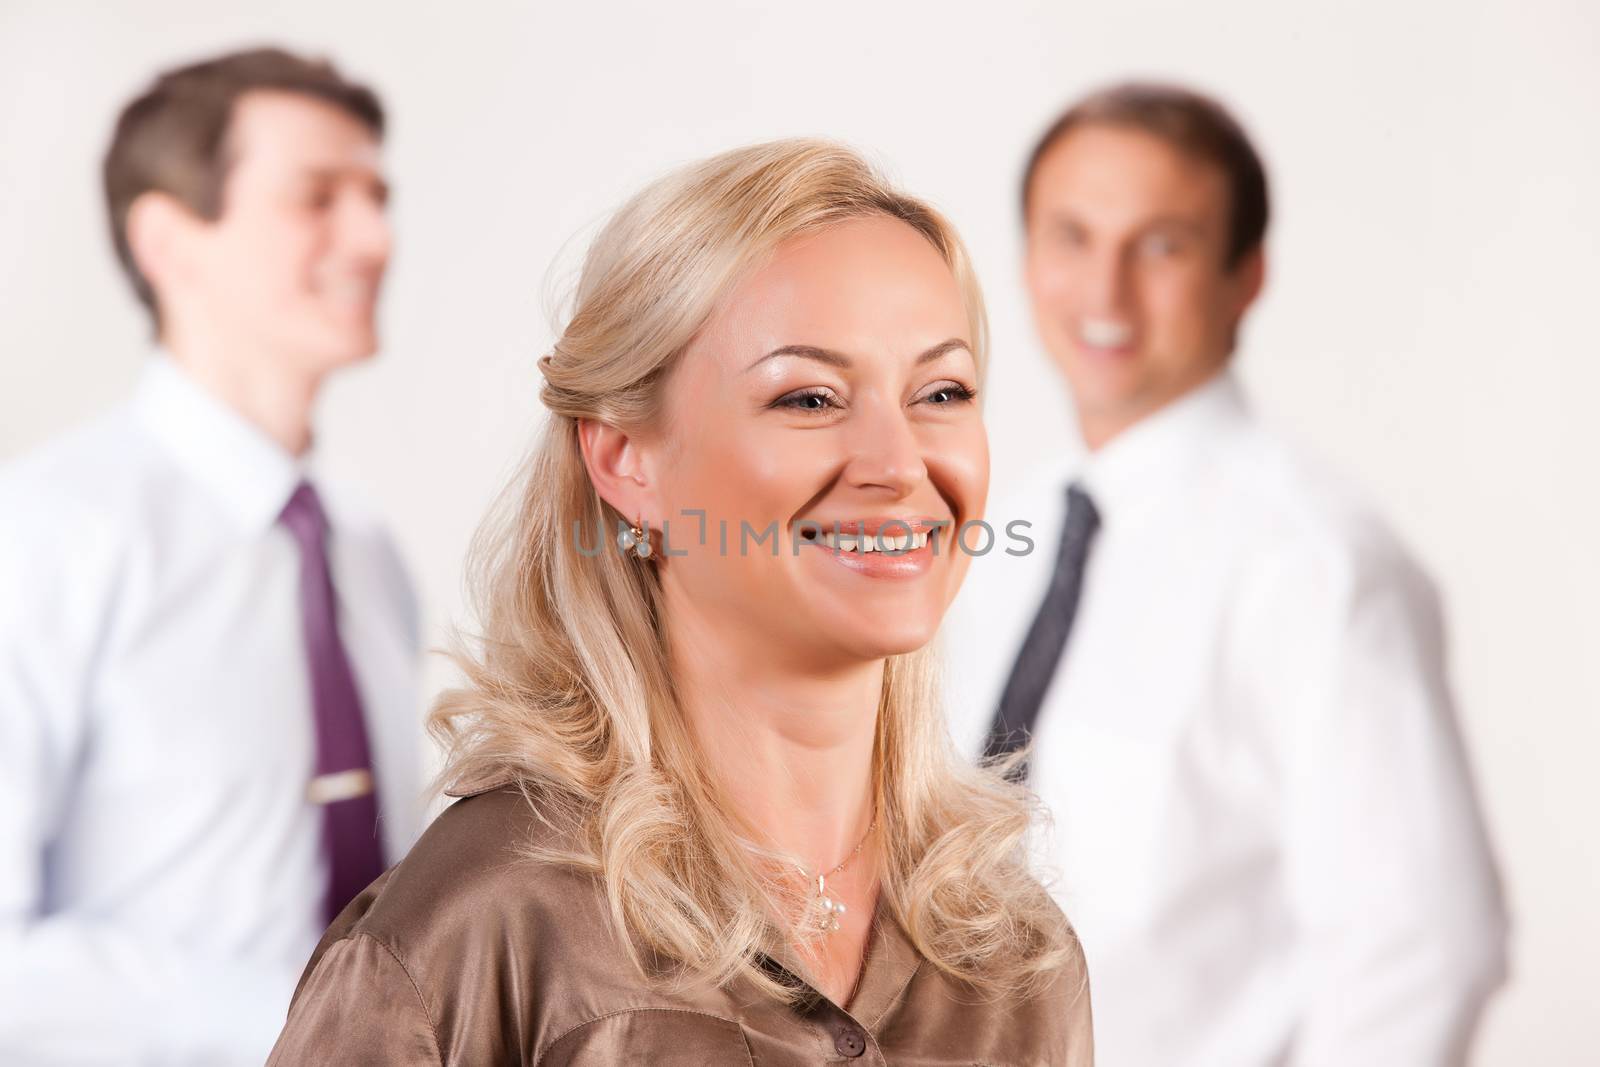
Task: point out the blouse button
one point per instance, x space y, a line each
850 1042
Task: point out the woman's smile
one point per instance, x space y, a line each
883 547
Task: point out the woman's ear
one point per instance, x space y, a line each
617 467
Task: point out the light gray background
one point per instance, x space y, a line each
1428 324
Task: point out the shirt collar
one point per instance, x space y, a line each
1157 454
888 966
251 474
890 963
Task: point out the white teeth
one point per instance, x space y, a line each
1105 333
883 542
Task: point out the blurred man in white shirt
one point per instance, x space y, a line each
1231 674
208 720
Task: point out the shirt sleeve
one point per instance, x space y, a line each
1387 866
74 987
359 1005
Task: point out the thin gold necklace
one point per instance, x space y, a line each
836 908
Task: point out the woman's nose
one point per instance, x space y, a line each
884 451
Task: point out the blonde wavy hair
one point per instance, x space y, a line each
568 692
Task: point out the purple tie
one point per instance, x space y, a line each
344 783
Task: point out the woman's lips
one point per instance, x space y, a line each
893 548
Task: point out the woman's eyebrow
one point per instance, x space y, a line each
839 359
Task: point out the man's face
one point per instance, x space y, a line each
1127 268
291 269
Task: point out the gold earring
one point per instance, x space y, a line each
636 538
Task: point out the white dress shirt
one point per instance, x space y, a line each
161 875
1264 829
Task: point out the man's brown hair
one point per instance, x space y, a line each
1194 124
173 138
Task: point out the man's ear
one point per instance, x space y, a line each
1250 276
1245 281
619 469
160 233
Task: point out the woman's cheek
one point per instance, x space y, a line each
958 463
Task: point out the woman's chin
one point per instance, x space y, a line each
879 642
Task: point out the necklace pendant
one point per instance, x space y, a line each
834 908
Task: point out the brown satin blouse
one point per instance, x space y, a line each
466 953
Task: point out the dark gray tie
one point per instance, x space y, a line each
1041 649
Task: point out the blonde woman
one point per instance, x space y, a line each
711 813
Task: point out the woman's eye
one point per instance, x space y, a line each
949 393
808 400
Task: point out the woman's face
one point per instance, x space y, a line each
833 390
